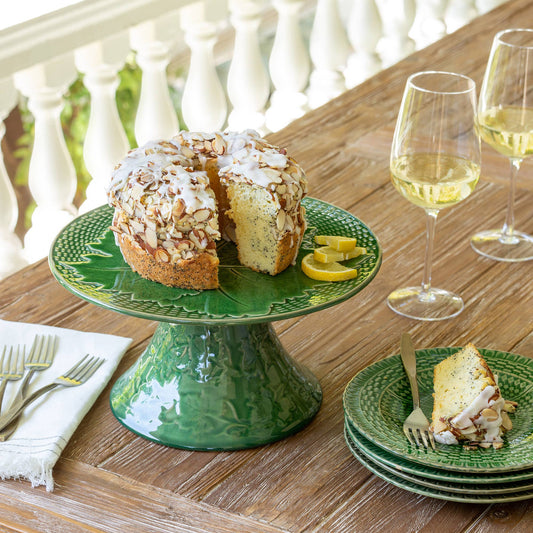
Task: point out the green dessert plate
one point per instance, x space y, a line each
432 492
461 482
378 400
215 375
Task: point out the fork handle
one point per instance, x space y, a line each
407 352
2 390
19 405
6 432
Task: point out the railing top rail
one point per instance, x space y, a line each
59 32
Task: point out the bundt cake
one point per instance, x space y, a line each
175 198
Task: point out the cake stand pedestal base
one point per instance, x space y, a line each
210 387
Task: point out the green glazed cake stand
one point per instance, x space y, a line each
215 375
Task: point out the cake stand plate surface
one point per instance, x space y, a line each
215 375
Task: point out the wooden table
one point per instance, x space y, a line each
110 480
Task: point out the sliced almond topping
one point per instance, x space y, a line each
506 421
439 426
272 174
280 220
202 214
125 229
509 407
489 414
178 208
136 192
162 255
497 445
151 238
187 152
128 208
219 145
469 430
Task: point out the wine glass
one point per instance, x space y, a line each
435 163
505 122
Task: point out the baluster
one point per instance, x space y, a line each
429 25
329 48
105 142
364 32
11 258
52 176
248 80
289 66
156 117
203 103
483 6
398 17
459 13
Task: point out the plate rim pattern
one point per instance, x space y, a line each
363 414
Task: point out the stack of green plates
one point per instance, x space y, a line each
378 400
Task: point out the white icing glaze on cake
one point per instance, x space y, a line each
472 419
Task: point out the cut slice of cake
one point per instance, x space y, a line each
468 406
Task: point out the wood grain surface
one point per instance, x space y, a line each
110 480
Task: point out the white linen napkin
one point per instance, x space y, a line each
48 423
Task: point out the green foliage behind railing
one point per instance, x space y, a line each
74 121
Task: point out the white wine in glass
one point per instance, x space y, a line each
505 122
435 163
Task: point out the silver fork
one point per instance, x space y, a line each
40 358
77 375
416 425
11 368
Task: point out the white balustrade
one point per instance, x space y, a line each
429 25
398 17
203 103
350 40
483 6
11 257
248 81
156 117
364 32
105 141
52 176
458 13
289 67
329 48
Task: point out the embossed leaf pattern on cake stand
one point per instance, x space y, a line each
86 260
214 376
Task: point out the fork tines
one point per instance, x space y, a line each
415 435
84 369
44 353
14 364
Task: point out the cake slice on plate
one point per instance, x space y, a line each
468 406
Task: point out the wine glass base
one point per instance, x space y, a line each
511 248
435 304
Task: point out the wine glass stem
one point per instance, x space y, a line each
431 221
508 226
